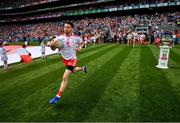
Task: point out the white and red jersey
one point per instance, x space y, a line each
142 37
69 45
136 36
129 36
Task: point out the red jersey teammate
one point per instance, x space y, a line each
68 53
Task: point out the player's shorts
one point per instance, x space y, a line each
136 40
142 40
70 62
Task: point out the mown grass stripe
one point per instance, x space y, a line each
175 56
120 100
177 46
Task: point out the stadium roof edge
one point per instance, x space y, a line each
43 2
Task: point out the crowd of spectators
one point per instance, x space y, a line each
111 28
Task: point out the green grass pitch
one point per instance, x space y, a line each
122 84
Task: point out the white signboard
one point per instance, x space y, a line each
163 57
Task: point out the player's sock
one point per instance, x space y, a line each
6 66
59 94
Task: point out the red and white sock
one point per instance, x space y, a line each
59 94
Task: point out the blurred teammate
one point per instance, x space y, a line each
85 40
129 38
173 39
136 39
68 53
93 39
3 56
142 38
43 50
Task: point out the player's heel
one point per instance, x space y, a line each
84 69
